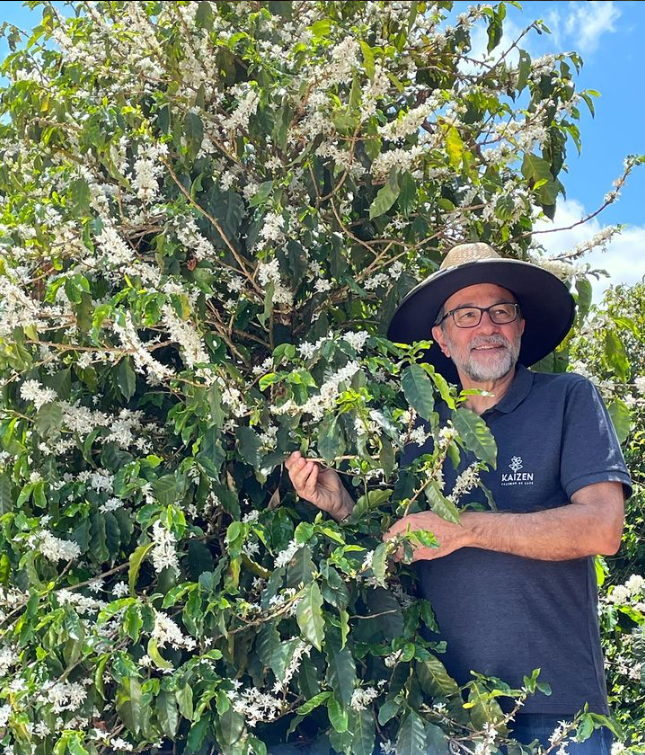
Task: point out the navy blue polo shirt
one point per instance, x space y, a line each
504 615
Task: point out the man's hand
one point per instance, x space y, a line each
451 536
589 525
320 486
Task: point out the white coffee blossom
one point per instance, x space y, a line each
55 549
356 340
362 697
269 273
256 706
188 339
32 390
163 552
120 590
467 481
635 584
166 632
285 556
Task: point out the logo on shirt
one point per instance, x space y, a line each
516 476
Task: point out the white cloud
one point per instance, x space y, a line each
624 259
588 21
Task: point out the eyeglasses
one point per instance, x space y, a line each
469 317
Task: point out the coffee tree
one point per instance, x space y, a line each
209 212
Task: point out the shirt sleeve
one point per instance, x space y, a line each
590 449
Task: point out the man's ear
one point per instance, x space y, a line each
440 339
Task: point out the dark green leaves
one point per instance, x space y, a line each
249 446
418 390
476 435
331 443
621 416
386 197
341 670
309 615
6 497
126 378
441 505
194 133
412 736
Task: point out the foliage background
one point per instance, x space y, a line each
209 213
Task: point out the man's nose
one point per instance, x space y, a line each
486 324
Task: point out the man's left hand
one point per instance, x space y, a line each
451 536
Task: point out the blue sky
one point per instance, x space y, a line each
609 37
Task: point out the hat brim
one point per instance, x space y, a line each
545 302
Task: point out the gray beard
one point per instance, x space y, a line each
482 373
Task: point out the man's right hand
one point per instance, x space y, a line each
320 486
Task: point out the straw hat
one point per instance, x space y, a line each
545 302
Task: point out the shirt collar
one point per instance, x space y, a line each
517 392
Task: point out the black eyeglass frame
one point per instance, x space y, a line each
515 305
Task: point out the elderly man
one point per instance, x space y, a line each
513 589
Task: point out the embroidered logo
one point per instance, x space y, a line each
516 476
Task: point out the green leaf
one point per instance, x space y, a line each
412 736
621 416
167 713
483 708
331 442
368 59
198 732
454 148
49 420
585 292
128 703
434 678
321 28
386 197
194 133
476 435
204 17
211 455
309 615
523 70
230 726
126 378
338 715
379 563
437 742
165 490
364 732
442 386
214 398
371 500
6 498
408 195
313 703
418 390
249 446
136 559
441 505
616 355
341 670
537 171
184 697
387 711
157 658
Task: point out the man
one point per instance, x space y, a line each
513 589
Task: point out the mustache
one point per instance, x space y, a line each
492 340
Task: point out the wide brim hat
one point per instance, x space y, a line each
545 302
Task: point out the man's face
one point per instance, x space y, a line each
488 351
